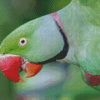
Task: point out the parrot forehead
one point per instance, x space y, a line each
39 34
28 29
25 30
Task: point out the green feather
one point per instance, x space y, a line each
81 21
44 41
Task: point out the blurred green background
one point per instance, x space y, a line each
63 83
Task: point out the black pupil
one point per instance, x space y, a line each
22 41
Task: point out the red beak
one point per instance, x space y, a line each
10 66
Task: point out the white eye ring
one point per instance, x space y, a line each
22 41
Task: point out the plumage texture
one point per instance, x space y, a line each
81 23
42 39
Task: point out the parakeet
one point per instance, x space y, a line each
70 35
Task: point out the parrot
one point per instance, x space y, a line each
70 35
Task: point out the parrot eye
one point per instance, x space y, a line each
22 42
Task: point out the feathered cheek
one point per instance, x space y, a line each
92 80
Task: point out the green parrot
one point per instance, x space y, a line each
70 35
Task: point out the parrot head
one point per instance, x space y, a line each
30 46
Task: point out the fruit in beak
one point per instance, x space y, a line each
12 64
